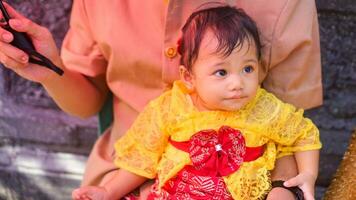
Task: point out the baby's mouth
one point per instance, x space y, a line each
236 97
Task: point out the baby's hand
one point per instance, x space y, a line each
90 193
305 182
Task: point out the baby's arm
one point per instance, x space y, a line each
285 168
308 164
121 184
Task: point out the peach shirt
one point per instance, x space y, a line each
133 42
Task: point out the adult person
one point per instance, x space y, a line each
129 48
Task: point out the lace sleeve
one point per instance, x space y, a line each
140 149
292 131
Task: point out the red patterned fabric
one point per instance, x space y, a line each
189 186
218 153
214 154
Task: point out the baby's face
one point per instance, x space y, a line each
224 83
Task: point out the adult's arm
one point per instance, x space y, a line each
73 92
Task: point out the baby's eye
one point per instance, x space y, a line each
220 72
248 69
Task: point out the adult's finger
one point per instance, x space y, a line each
295 181
21 24
34 30
12 12
17 54
10 63
5 35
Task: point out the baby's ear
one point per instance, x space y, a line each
186 77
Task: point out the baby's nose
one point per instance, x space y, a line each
235 83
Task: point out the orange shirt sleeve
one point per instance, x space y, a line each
80 52
295 68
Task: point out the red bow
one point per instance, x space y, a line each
217 153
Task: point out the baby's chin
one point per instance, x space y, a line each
224 106
231 108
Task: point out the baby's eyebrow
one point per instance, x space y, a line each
218 64
251 60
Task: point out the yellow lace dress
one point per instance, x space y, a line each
265 121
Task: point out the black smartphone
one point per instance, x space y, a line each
23 42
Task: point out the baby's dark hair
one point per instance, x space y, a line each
231 26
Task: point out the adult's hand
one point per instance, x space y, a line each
16 59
